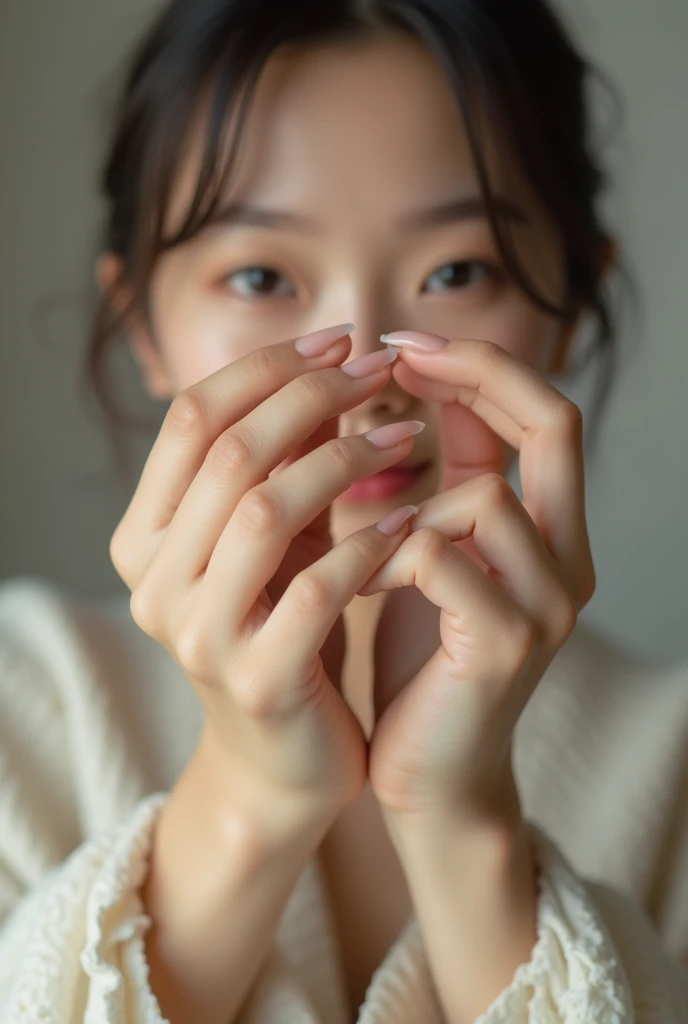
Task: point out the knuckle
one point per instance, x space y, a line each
193 650
251 696
491 352
117 550
187 413
310 593
259 513
340 452
228 454
564 616
263 364
590 583
144 605
496 490
523 639
430 542
367 545
313 389
570 418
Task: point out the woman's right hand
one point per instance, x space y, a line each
209 527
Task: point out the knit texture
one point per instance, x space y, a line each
97 722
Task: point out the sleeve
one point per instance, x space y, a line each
597 960
71 920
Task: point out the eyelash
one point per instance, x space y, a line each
493 274
253 269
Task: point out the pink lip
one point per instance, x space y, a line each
386 484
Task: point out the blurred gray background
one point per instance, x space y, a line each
59 496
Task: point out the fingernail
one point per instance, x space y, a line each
317 343
394 433
396 519
416 340
371 363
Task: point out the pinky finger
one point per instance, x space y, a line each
300 623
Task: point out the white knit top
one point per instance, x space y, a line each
97 721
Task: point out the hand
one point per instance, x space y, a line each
444 726
225 549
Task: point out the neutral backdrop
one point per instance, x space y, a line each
59 497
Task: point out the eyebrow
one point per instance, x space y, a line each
455 210
468 208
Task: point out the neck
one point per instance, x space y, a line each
361 617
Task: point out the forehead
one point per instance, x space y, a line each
367 126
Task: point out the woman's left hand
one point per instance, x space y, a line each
507 580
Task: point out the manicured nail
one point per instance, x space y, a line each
370 363
317 343
396 519
416 340
394 433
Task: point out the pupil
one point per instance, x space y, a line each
262 280
450 273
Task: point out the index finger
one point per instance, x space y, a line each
200 413
533 417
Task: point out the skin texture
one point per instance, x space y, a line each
354 137
357 139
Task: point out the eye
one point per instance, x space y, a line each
459 275
252 282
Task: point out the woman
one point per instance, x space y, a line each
221 805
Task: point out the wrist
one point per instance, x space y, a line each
490 817
475 891
497 848
249 811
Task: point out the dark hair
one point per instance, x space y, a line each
515 58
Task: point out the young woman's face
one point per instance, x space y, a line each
357 153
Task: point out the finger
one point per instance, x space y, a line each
468 445
487 510
255 540
327 431
243 458
480 612
301 622
447 393
533 417
194 420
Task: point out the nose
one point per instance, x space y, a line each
391 402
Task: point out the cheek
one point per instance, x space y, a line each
529 334
512 322
197 336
